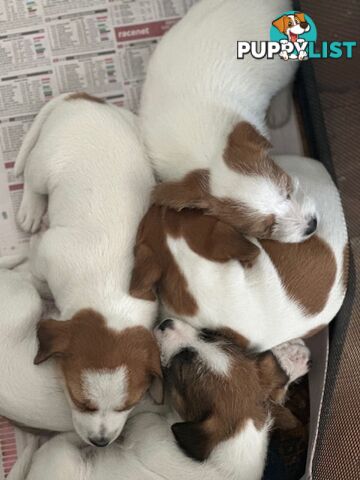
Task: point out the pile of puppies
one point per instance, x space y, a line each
234 251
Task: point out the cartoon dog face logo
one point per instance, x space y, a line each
293 25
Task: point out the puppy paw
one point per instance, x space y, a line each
294 358
31 211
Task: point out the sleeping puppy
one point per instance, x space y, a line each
203 121
84 158
221 397
207 273
29 395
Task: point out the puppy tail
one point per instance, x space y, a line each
32 135
11 261
22 466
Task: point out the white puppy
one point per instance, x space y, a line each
29 395
203 121
85 155
219 416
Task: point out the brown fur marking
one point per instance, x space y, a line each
86 343
215 409
307 270
247 152
155 265
85 96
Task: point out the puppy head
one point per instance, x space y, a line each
214 385
292 25
246 189
105 372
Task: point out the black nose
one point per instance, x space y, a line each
99 441
312 225
168 323
304 25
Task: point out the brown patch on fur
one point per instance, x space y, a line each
247 152
85 96
86 343
307 270
192 192
314 331
346 265
156 266
217 408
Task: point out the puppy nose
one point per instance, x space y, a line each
311 227
168 323
304 25
99 441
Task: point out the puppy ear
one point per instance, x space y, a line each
245 147
53 337
226 243
280 24
193 439
146 273
300 16
190 192
272 377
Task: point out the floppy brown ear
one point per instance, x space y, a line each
53 337
272 377
300 16
280 24
227 243
193 439
244 148
146 273
190 192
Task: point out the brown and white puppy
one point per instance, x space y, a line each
208 274
203 121
82 159
224 395
265 202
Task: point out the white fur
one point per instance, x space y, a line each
173 340
107 391
149 452
196 91
30 395
87 158
253 300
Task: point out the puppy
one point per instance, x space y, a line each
29 395
208 274
203 121
85 159
221 398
